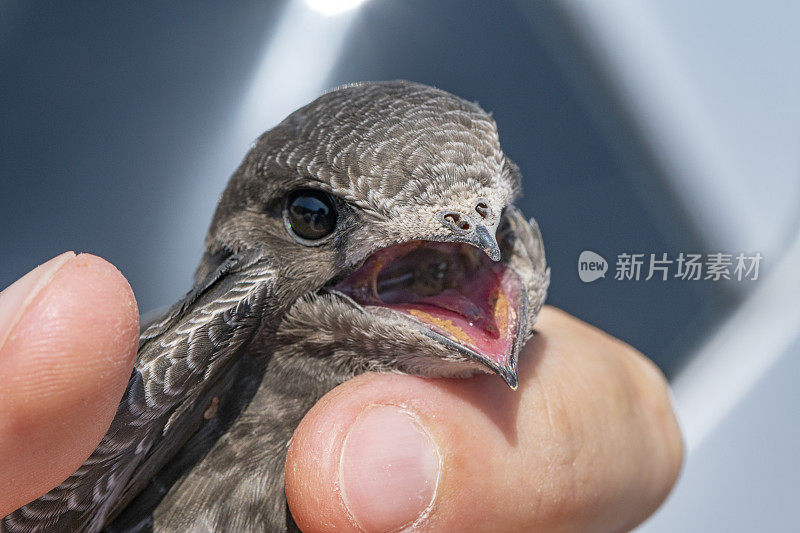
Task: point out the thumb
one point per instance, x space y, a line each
588 443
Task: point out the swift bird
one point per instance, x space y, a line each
371 230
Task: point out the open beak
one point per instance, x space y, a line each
481 238
459 293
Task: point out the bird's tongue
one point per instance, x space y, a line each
452 300
452 288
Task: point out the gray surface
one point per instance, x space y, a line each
743 477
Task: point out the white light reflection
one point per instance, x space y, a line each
294 69
295 66
333 7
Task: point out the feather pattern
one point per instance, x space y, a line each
175 364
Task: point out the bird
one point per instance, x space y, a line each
373 229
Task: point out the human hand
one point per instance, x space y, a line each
588 441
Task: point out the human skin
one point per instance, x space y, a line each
588 442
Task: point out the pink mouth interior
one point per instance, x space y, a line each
452 288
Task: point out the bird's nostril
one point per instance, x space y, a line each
455 220
482 209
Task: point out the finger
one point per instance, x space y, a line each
68 336
588 442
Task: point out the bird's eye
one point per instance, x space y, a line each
310 215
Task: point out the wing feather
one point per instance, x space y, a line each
180 358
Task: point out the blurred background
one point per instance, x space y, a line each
640 127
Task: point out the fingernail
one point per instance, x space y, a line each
389 469
17 297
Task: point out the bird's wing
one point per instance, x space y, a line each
180 358
530 238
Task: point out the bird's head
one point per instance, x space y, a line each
386 210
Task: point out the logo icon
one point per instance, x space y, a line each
591 266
